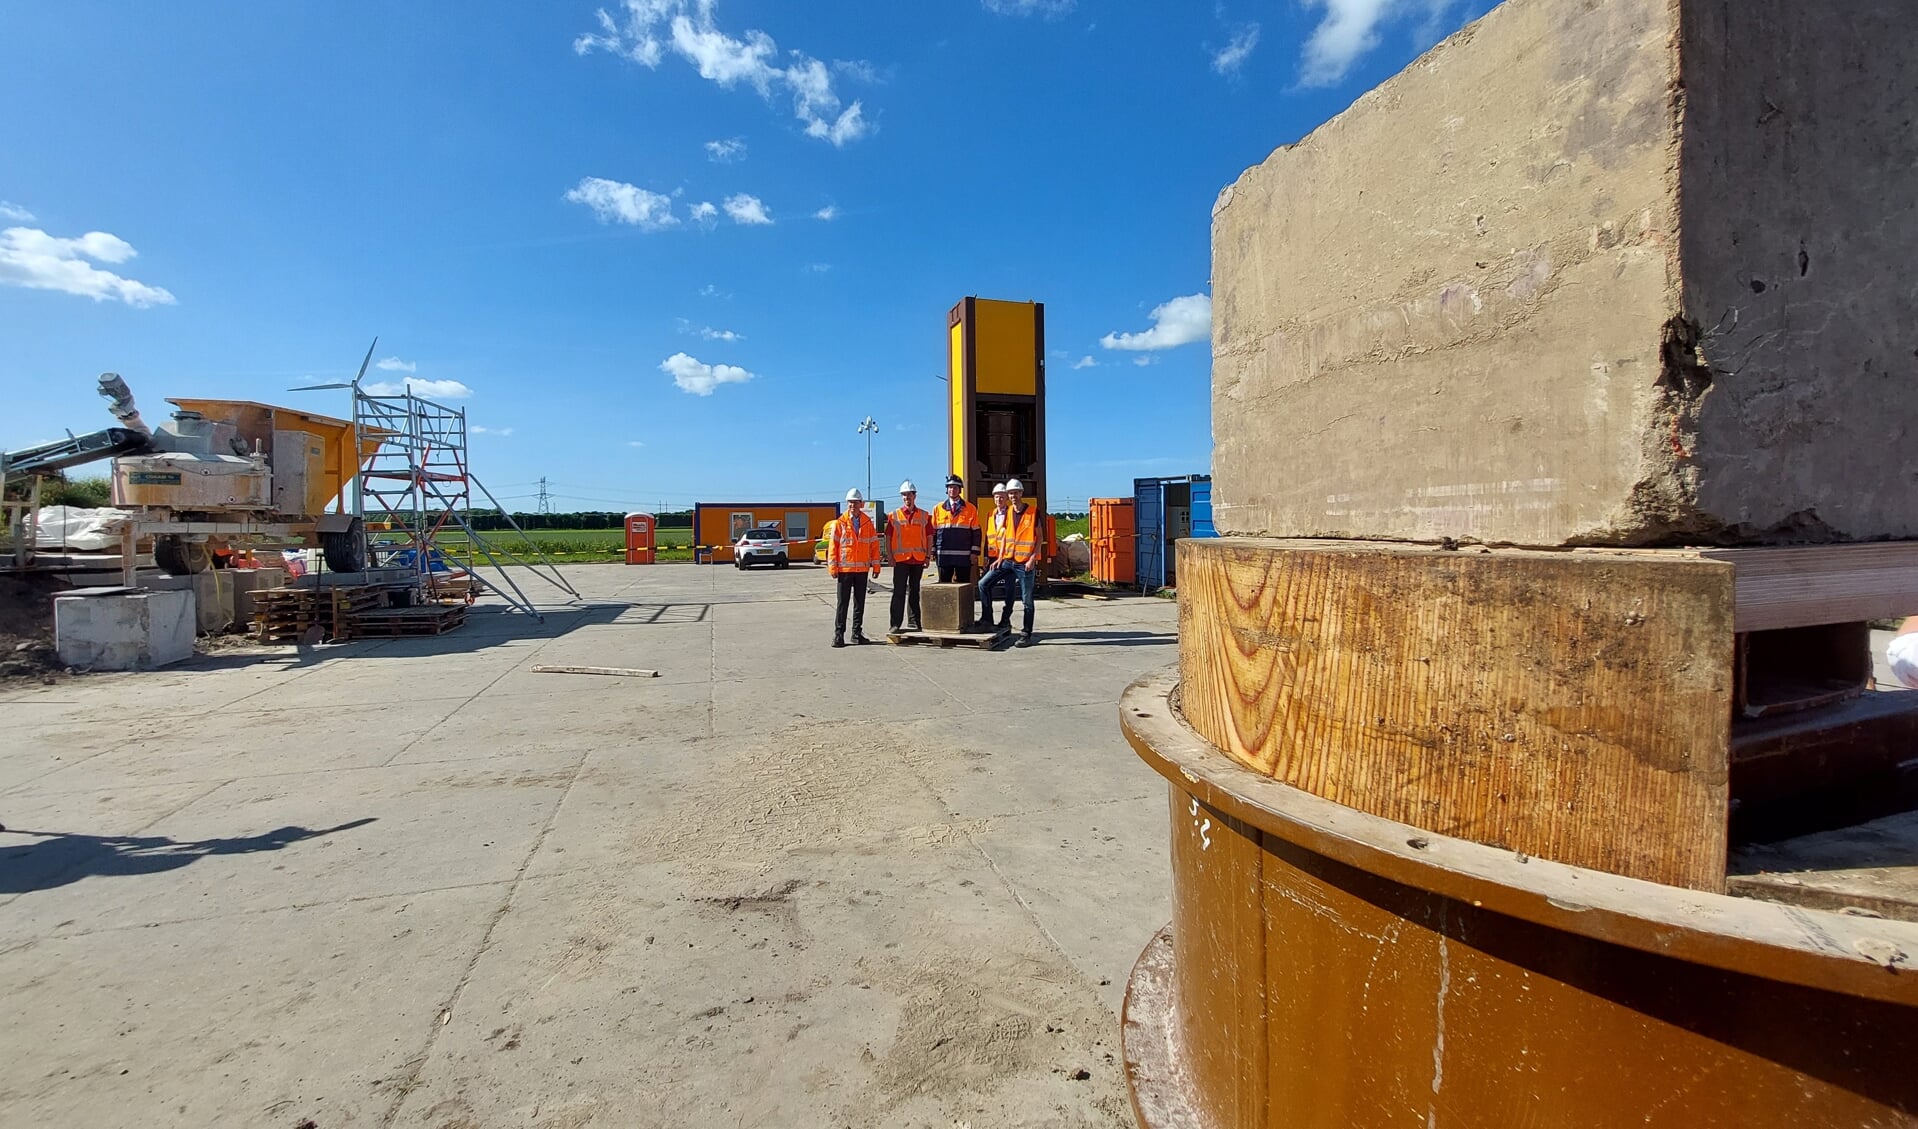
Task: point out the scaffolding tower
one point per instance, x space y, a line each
415 496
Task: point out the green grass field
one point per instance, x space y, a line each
576 546
580 546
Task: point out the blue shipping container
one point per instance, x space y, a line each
1164 511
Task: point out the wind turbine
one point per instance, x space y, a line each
353 486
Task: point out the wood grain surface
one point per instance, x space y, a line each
1574 707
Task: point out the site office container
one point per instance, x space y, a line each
642 532
1114 543
1166 511
717 526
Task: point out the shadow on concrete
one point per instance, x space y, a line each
486 626
60 859
1106 638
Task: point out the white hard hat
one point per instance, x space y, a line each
1015 484
1000 488
854 495
907 487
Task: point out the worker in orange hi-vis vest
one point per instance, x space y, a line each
853 554
910 529
1013 542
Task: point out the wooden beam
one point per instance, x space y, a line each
1569 706
1807 585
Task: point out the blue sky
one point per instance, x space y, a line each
671 255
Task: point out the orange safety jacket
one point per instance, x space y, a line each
911 533
955 532
855 545
1016 538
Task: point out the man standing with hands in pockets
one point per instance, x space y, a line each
853 554
1014 540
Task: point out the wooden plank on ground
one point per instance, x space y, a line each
1569 706
612 671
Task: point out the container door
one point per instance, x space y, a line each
1148 515
1202 510
1100 534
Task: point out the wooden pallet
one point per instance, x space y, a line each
388 623
288 614
981 640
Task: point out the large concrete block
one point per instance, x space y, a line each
946 607
1626 273
124 630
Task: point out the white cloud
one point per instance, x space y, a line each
711 291
1085 362
688 28
700 379
1178 322
12 211
747 209
394 364
476 429
857 69
704 213
617 202
819 268
708 332
430 389
635 443
1235 53
636 42
829 212
1050 9
31 258
1350 28
1144 359
727 151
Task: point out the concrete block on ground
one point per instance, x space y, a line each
947 607
246 582
1631 273
124 630
213 596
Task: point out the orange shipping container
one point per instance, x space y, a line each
1113 541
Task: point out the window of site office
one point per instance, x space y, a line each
797 526
741 521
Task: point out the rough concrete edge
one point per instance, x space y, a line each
1432 57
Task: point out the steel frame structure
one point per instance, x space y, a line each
419 486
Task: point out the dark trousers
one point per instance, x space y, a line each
956 571
905 592
852 586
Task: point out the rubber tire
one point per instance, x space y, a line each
782 562
345 551
177 556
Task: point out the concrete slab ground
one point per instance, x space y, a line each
413 883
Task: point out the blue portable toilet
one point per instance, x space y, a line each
1164 511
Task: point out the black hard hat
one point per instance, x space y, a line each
954 480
